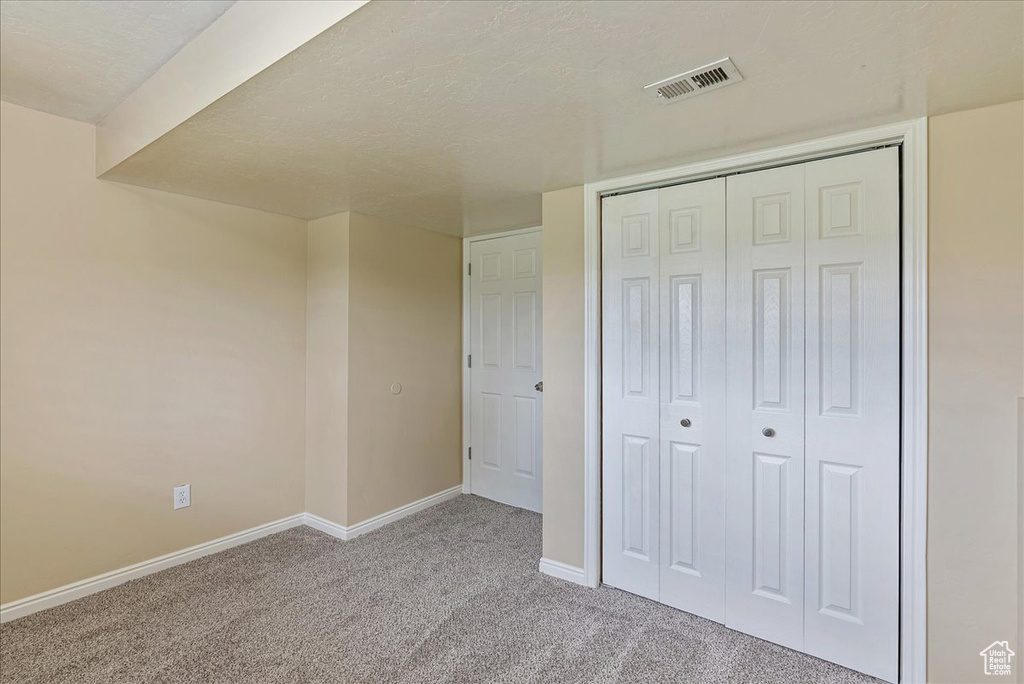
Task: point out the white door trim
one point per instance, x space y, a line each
467 421
914 382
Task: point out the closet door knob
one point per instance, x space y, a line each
768 432
685 422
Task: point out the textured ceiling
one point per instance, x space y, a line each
456 116
80 59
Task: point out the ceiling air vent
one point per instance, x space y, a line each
695 81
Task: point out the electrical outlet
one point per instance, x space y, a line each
182 496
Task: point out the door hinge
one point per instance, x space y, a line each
469 360
469 268
470 453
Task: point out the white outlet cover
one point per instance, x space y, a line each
182 496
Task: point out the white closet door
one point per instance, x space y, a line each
853 412
505 312
692 510
765 563
769 499
630 392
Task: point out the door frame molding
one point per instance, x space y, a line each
467 418
913 135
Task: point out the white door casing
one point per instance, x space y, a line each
630 372
765 562
912 137
693 425
853 412
505 350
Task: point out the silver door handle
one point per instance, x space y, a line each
768 432
539 386
685 422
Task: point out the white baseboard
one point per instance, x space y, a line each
564 571
353 531
92 585
325 526
402 511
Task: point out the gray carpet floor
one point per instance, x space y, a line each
451 594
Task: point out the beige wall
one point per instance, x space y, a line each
976 291
327 368
384 305
562 243
405 318
151 339
148 340
976 365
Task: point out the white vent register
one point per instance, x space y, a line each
696 81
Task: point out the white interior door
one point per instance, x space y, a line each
693 425
765 564
505 367
630 392
851 593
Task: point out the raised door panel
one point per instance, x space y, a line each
682 506
505 324
839 351
635 481
525 319
637 349
839 542
490 430
631 443
765 446
852 403
491 333
771 576
526 437
773 298
684 329
692 397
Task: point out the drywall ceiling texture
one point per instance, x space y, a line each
456 116
80 59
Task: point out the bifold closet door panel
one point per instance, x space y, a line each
765 545
853 411
630 392
692 350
